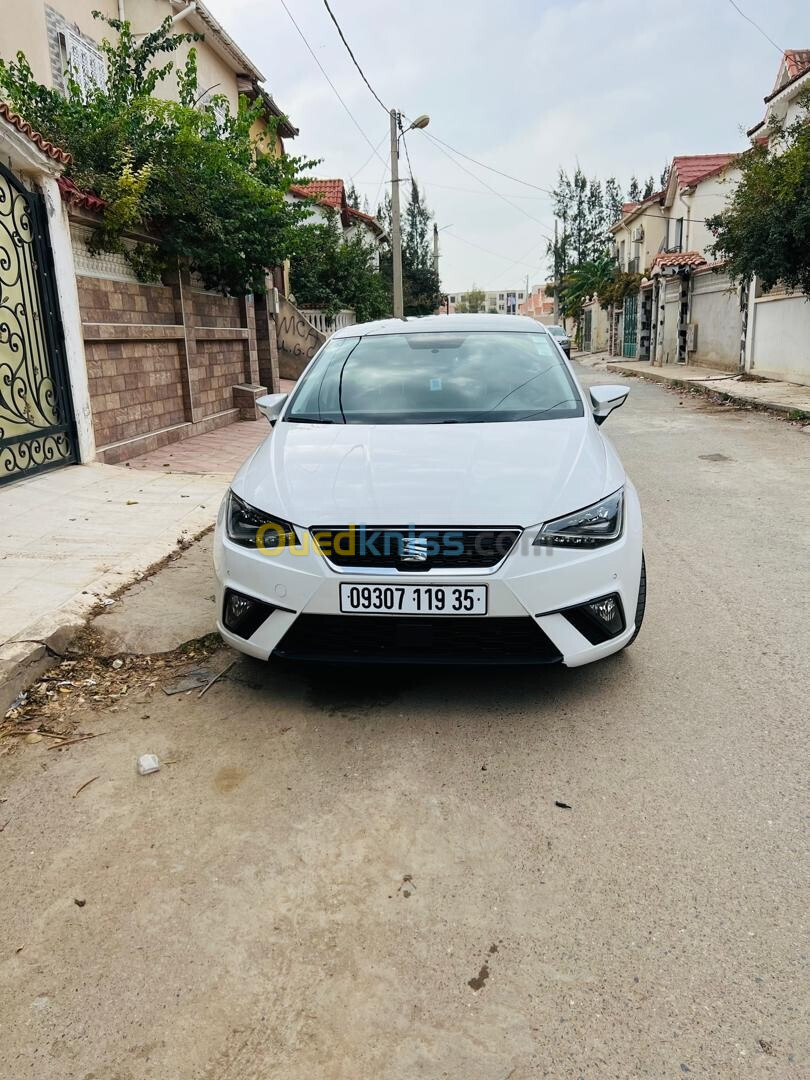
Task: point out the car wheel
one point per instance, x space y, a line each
642 601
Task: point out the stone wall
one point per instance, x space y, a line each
166 361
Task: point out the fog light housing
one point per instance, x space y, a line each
609 613
599 620
243 615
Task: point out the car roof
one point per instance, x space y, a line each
444 324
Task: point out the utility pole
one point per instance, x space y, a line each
396 235
556 276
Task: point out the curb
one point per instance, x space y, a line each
43 644
705 386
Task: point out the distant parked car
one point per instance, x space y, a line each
560 335
435 490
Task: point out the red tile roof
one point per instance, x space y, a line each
47 148
76 197
693 168
366 219
679 258
797 61
628 207
328 192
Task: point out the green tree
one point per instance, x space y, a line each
352 198
420 282
634 190
473 301
584 281
331 274
614 199
765 228
585 210
191 173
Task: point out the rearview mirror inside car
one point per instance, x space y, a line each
607 398
270 406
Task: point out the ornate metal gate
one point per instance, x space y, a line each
37 429
630 325
587 330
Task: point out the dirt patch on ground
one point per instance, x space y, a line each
86 681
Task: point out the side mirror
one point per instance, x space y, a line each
607 398
270 406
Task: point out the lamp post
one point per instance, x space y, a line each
396 232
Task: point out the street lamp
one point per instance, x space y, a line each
396 235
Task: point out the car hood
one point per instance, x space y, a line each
433 474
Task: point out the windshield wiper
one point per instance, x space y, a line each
308 420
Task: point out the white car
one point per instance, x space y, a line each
434 490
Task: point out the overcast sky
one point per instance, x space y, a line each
526 86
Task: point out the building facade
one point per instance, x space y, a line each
496 301
537 305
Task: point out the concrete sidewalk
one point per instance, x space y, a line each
73 536
787 399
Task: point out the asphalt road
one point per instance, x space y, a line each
366 876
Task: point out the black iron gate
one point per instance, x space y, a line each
37 429
630 325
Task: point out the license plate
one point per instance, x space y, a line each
413 599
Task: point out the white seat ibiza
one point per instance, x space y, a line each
434 490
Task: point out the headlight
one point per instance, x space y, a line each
591 527
250 527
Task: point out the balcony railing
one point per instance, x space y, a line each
633 265
328 324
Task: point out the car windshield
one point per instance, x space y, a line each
450 377
556 331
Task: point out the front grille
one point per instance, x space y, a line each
383 546
412 639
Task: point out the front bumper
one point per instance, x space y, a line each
528 592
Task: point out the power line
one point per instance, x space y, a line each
495 254
507 176
407 153
757 27
368 159
483 183
334 88
354 59
466 191
518 262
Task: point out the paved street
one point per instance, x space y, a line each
367 875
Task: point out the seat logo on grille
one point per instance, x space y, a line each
414 549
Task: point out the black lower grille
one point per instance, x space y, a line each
392 547
395 640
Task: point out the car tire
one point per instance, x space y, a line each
642 601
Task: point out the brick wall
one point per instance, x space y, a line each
135 388
107 301
163 361
219 366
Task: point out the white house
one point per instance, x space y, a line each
330 198
777 338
